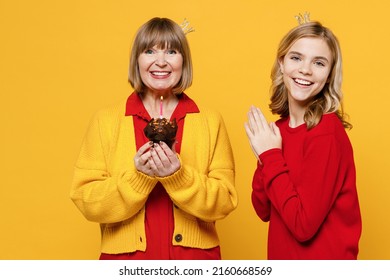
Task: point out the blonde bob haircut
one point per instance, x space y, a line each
329 100
162 33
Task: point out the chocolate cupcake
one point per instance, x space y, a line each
161 129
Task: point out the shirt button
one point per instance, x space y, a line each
178 237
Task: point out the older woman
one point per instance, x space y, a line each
154 201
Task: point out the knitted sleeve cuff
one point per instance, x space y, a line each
139 181
180 178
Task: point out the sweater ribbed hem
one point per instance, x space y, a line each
124 237
195 233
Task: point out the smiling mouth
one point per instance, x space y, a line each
161 74
302 82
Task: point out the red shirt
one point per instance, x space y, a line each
307 191
159 220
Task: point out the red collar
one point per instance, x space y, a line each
135 107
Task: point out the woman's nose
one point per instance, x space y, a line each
160 59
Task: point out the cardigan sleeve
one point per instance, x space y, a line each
304 206
206 192
99 195
260 201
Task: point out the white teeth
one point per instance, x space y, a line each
302 82
160 73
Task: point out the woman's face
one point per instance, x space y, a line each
306 68
160 69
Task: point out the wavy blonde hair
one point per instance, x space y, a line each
163 33
329 100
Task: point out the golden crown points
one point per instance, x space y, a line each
305 18
185 25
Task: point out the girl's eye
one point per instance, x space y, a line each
294 57
149 51
319 63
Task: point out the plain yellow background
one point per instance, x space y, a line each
61 61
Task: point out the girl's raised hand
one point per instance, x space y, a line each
262 135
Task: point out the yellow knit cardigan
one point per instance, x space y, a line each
108 189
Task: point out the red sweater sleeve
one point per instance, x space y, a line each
303 206
260 201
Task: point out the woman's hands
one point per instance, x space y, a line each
164 161
262 136
156 160
141 159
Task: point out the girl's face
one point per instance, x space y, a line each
160 69
306 68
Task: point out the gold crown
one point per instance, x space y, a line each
305 18
186 27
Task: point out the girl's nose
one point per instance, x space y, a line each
305 69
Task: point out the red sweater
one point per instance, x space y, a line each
307 191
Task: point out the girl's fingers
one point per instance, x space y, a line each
275 129
253 125
257 121
248 130
261 118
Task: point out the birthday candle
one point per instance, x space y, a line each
161 107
